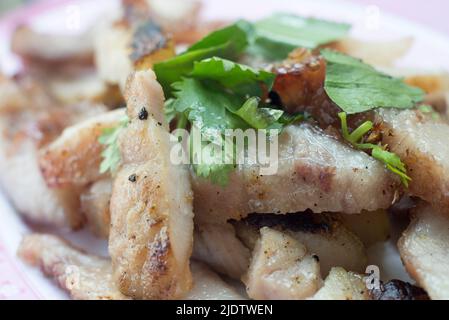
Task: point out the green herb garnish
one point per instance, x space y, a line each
111 153
357 87
390 159
275 37
220 94
228 43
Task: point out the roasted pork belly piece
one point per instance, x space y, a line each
369 227
95 203
151 233
416 137
38 48
420 142
207 285
30 120
315 171
343 285
324 236
281 268
83 276
134 42
218 246
88 277
71 165
377 53
73 159
424 249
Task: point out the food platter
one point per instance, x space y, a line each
428 53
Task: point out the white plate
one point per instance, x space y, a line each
430 52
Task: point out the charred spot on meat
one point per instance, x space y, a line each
398 290
305 221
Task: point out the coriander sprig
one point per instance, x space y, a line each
378 152
111 153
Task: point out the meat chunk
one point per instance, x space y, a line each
207 285
83 276
53 49
281 268
369 227
29 120
420 142
342 285
218 246
315 171
424 249
376 53
73 159
95 206
88 277
418 139
323 235
151 233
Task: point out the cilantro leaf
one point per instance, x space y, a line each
259 118
428 109
206 104
228 42
276 36
357 87
241 79
390 159
111 153
217 173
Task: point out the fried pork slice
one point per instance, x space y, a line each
88 277
322 234
218 246
343 285
112 53
207 285
420 142
151 233
281 269
376 53
424 249
369 227
52 49
95 203
80 85
73 159
29 120
135 42
315 171
83 276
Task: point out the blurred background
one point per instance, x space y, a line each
433 13
6 5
